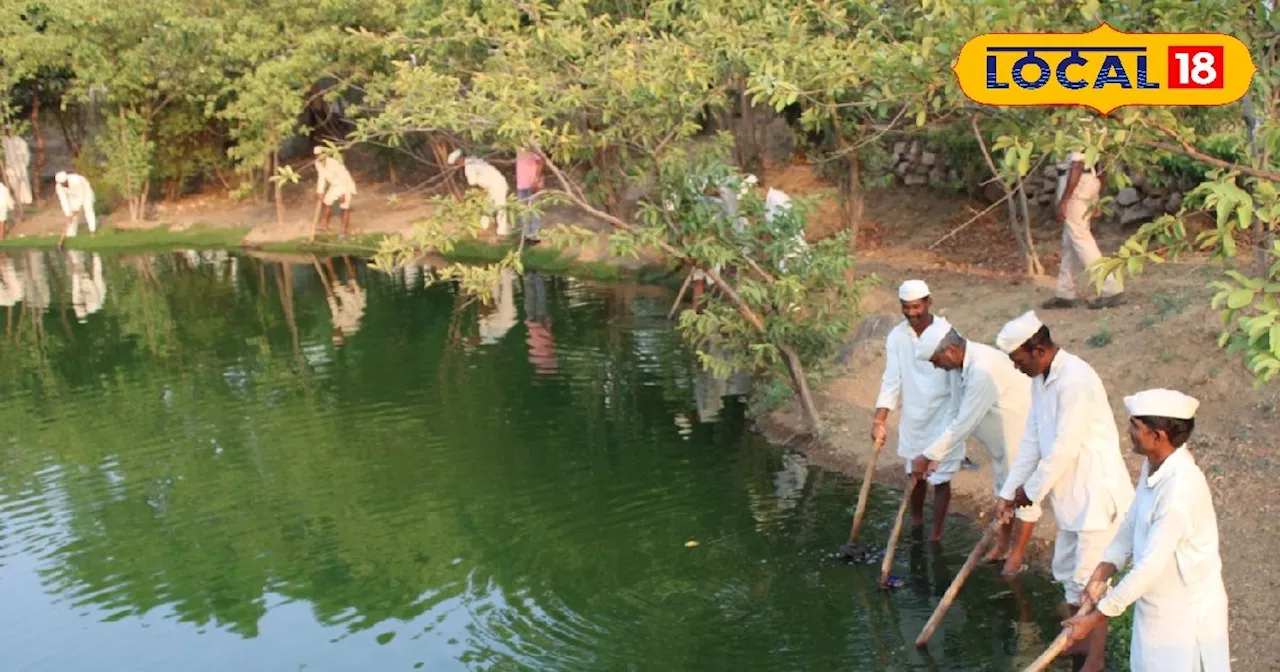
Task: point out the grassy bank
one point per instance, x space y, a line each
197 236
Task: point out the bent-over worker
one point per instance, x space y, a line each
75 194
333 185
925 395
481 173
995 399
1171 534
1070 454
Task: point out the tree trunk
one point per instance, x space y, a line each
35 131
275 162
1034 267
441 152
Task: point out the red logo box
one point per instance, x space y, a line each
1195 67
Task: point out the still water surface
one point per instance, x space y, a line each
220 462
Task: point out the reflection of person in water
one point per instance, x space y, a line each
788 482
346 301
88 288
541 342
495 324
10 283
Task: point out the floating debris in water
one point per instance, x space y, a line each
855 554
894 582
691 544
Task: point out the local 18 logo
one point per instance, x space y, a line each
1104 69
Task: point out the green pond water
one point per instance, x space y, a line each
200 471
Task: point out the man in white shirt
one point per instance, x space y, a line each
1078 192
1070 453
17 161
995 399
925 394
1171 533
76 196
334 185
6 206
481 173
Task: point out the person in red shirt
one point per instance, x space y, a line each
529 181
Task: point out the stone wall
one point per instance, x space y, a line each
916 163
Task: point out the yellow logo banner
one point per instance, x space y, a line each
1104 69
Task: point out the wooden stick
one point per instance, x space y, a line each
315 219
897 530
954 589
1060 644
865 492
680 297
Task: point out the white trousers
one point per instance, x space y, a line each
497 191
1076 555
86 210
1079 249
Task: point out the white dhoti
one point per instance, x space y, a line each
1076 555
84 210
1079 249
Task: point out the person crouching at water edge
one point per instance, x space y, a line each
481 173
76 197
995 399
924 393
1070 453
334 185
1171 534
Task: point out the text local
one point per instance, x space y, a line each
1112 71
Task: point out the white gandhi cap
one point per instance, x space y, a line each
1162 403
61 177
931 338
913 290
1017 331
453 156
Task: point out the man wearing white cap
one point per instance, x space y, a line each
1070 453
1171 534
334 185
76 196
1078 191
481 173
995 399
925 395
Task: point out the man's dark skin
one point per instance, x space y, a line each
1154 445
919 318
952 359
1034 361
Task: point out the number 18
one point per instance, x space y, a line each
1195 67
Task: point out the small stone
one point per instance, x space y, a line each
1127 196
900 147
921 168
1153 203
1049 185
1135 214
928 158
1139 180
915 179
902 168
1050 171
1174 202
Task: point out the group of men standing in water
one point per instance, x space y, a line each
1044 418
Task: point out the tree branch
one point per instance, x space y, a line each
1187 148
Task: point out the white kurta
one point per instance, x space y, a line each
6 203
88 287
76 197
334 182
1171 532
995 400
922 390
17 159
481 173
1070 450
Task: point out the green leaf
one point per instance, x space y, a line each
1239 298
